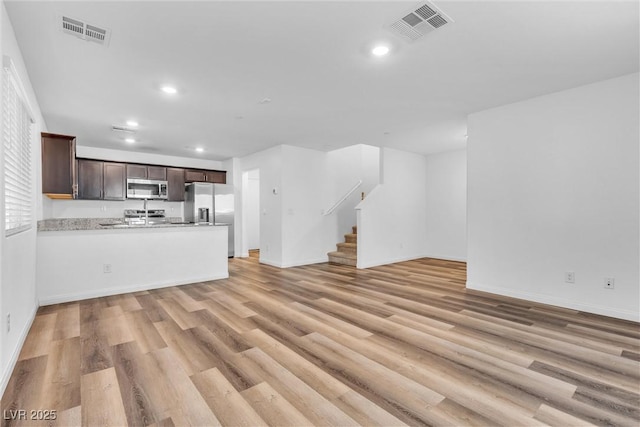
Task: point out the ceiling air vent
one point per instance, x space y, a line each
95 34
425 12
72 26
117 128
420 21
84 30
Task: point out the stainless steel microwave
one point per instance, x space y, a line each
146 189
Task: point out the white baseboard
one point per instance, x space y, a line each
271 263
446 257
558 302
306 262
6 375
294 264
378 263
78 296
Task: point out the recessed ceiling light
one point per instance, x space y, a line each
199 149
169 89
130 140
380 50
132 123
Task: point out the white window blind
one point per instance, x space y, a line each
16 138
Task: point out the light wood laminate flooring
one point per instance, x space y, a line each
404 344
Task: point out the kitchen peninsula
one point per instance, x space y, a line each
79 258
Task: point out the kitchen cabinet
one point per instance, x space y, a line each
59 179
146 172
191 175
157 172
101 180
114 181
197 175
175 184
90 178
218 177
137 171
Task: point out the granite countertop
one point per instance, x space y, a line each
74 224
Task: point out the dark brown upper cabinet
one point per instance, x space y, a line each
99 180
191 175
217 177
146 172
137 171
59 179
65 177
197 175
175 185
90 179
157 172
114 181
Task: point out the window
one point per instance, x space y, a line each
16 138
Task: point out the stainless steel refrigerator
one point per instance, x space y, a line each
213 204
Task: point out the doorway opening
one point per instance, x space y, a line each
251 213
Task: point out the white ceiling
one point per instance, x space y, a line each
311 59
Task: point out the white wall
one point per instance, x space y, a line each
305 239
391 220
347 166
253 209
269 162
18 252
234 177
70 263
553 186
447 205
293 229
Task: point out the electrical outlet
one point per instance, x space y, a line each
609 282
106 268
569 276
9 322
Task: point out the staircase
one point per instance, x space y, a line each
347 253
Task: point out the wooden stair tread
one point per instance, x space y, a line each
351 238
347 253
351 248
348 245
339 254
